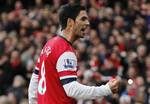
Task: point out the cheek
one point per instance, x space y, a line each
77 27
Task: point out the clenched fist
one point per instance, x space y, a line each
114 85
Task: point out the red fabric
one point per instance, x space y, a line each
122 47
116 63
66 73
48 74
15 63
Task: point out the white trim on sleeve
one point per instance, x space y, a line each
70 76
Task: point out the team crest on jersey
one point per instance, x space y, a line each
70 63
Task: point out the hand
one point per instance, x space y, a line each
114 85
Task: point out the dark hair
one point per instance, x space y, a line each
69 11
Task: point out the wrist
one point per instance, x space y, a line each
108 89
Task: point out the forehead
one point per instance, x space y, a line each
82 13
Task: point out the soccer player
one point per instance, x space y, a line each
54 80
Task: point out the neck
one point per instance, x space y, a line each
69 36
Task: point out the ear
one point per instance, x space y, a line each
70 23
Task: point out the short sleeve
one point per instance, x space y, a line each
67 66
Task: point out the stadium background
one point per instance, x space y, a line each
117 46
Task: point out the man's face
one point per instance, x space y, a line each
81 24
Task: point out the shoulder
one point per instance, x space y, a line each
58 46
57 42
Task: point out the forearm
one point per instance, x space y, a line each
32 91
80 91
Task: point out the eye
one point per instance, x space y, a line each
84 18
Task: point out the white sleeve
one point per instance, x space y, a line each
80 91
66 67
32 91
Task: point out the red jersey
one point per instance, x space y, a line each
57 61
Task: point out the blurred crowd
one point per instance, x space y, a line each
117 46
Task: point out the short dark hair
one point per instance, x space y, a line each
69 11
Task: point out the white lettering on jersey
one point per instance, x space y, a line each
46 50
67 61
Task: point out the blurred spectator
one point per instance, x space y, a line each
4 100
17 89
117 46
